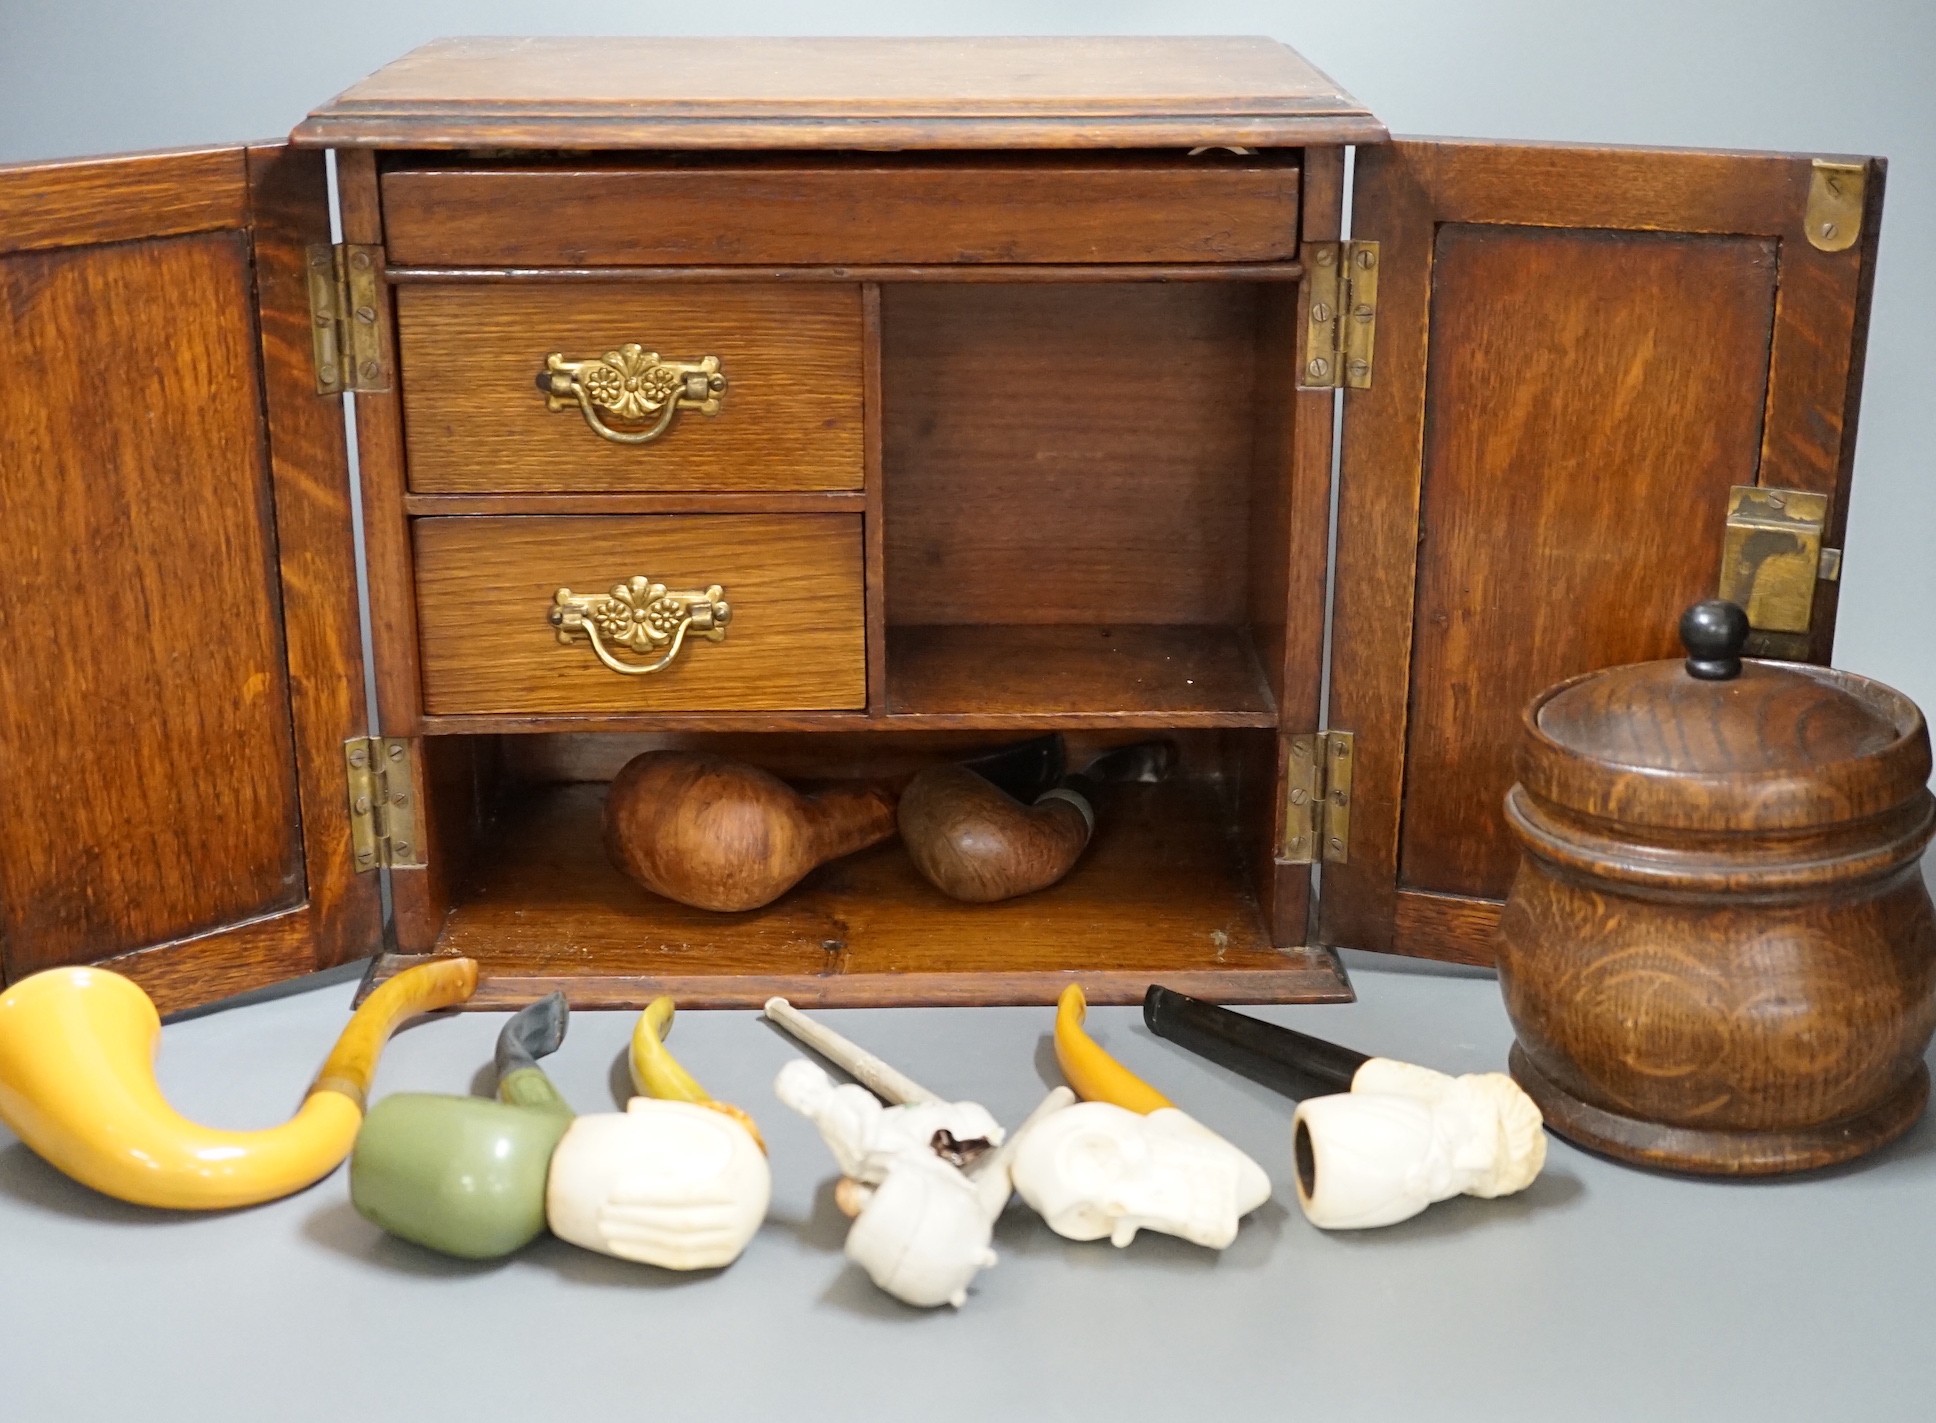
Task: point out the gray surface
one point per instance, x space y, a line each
97 76
1602 1293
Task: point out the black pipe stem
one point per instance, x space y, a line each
1287 1061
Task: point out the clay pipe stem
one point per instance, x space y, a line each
891 1086
1294 1063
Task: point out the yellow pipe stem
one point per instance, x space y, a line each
657 1073
77 1084
1096 1076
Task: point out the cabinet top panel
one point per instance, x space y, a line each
843 93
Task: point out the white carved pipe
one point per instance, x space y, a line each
924 1232
864 1136
1405 1136
1100 1171
665 1183
1374 1140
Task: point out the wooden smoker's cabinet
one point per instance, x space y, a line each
997 380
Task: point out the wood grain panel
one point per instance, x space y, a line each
237 958
1447 927
790 417
1067 454
315 544
1160 895
1804 311
1290 552
1215 207
1154 675
146 663
663 92
96 200
982 273
485 587
1595 438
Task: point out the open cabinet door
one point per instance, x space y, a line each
1579 354
178 613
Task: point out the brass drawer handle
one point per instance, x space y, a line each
632 384
643 616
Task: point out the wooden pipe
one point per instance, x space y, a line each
974 841
720 834
77 1084
724 835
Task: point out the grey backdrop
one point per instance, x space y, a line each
92 76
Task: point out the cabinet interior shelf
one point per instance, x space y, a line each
542 908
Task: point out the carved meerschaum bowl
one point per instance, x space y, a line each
1719 953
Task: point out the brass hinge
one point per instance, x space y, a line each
1340 315
1771 559
343 308
380 772
1833 219
1317 799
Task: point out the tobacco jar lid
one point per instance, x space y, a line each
1722 742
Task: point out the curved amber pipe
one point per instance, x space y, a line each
1096 1076
77 1084
657 1073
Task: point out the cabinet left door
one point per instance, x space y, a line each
180 662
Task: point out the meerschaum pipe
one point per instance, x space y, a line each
1125 1159
676 1180
975 841
1383 1139
862 1135
924 1232
723 835
77 1084
466 1175
923 1179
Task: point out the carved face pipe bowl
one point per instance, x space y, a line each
923 1219
1125 1160
976 842
77 1084
466 1175
1376 1140
723 835
925 1231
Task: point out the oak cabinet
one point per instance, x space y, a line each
918 395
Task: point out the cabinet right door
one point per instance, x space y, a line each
1579 353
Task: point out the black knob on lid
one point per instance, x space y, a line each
1714 632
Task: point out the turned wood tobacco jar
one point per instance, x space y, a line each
1719 953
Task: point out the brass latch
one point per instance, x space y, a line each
1317 799
1340 315
380 773
343 283
1771 559
1833 218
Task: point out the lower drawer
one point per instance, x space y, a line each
498 633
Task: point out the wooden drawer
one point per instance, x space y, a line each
485 590
475 421
1004 208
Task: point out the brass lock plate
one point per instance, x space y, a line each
1772 556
